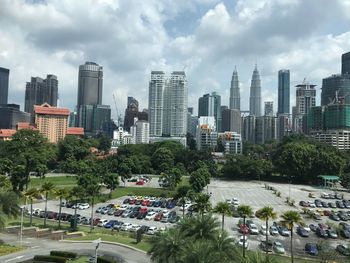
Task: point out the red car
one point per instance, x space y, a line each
143 210
96 221
132 201
158 216
244 229
327 212
145 202
140 182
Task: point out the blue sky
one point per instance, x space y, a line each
129 38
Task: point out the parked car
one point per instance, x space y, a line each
158 216
321 232
278 247
332 205
343 250
345 233
332 233
110 224
263 230
126 227
140 182
127 213
174 219
134 228
302 231
102 222
244 229
119 212
339 204
273 230
283 231
267 247
144 229
253 229
243 240
152 230
141 214
334 217
311 249
324 204
126 201
117 225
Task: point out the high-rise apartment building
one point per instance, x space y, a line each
255 94
268 109
249 128
40 91
235 97
345 63
283 91
4 85
210 105
232 142
167 103
207 135
140 132
90 83
155 103
305 99
265 129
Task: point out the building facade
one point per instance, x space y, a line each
265 129
249 128
283 91
268 108
93 118
140 132
210 105
4 85
255 94
335 86
232 142
207 135
235 97
131 112
40 91
345 64
231 121
155 103
10 115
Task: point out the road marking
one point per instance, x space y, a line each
19 257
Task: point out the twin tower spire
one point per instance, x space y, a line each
255 93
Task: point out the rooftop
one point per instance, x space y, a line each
49 110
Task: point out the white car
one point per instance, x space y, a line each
263 230
306 227
152 230
253 229
166 213
126 227
278 247
273 231
102 222
150 215
134 228
124 207
187 205
241 239
83 206
311 204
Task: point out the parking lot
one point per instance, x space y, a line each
248 193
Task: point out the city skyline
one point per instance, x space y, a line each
193 36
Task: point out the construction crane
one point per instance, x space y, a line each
119 116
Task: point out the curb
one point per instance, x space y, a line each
105 242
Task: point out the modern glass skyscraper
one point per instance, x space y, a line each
4 85
283 91
345 63
235 98
335 86
210 105
255 94
90 84
155 103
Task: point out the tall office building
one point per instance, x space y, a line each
305 99
265 129
40 91
10 115
283 91
132 112
4 85
93 118
235 98
268 109
345 63
155 103
90 82
249 128
231 121
140 132
210 105
255 94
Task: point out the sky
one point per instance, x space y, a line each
206 38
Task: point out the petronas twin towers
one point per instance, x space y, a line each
255 93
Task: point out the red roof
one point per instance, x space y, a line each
7 132
75 131
49 110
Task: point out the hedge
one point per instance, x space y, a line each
54 259
63 254
105 260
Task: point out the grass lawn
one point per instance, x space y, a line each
8 249
285 259
80 260
143 245
59 181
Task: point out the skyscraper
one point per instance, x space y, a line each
4 85
345 63
268 109
90 84
155 103
132 112
231 121
255 94
40 91
235 98
210 105
283 91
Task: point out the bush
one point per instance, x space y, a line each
63 254
49 259
105 260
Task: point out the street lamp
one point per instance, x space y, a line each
97 244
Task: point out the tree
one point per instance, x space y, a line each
202 203
182 193
167 247
224 209
199 179
75 194
31 194
8 207
46 189
289 219
244 211
104 143
170 178
265 214
162 160
61 193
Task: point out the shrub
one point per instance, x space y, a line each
63 254
105 260
54 259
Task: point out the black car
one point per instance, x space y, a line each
345 233
334 217
141 215
343 250
267 247
318 203
163 204
324 204
332 205
126 201
340 204
321 232
174 219
302 231
143 229
313 227
343 216
345 226
134 214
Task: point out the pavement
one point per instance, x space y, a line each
44 246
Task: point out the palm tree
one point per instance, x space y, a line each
201 251
244 211
46 189
182 193
289 218
167 247
200 227
225 248
266 213
31 194
257 257
8 207
224 209
60 193
202 203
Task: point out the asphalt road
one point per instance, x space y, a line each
44 246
